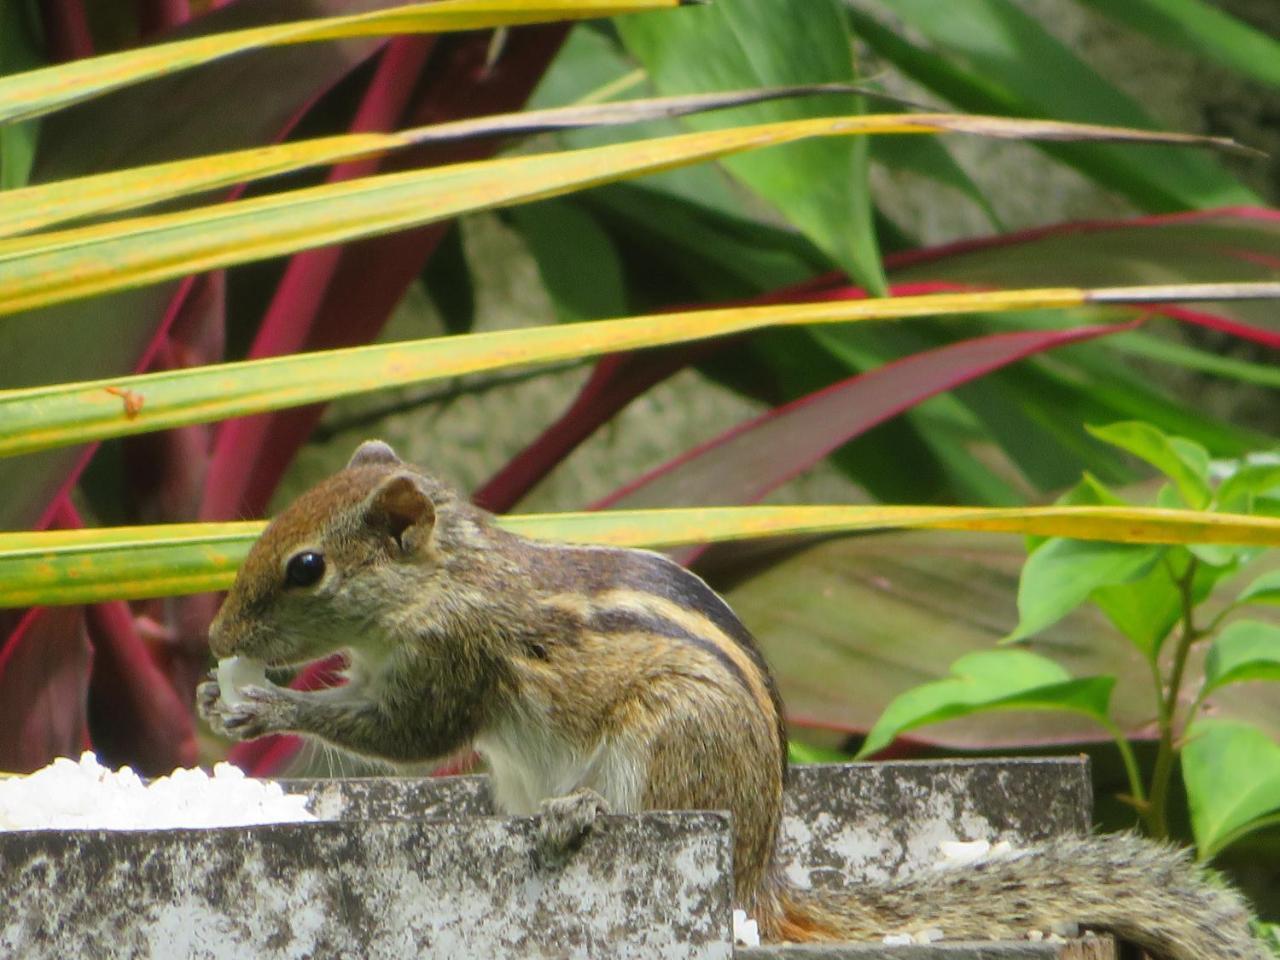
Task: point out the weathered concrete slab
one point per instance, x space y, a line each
396 798
843 822
413 866
653 885
851 822
1094 948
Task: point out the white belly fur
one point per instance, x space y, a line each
528 764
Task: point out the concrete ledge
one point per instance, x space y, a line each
396 798
863 821
652 885
407 866
844 822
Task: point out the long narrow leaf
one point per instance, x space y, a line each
36 92
78 566
53 268
45 417
36 207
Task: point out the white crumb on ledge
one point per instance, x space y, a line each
236 673
67 795
898 939
746 932
960 853
928 935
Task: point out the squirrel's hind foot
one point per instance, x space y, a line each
564 822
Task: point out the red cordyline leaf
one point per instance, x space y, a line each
1208 240
1213 321
45 681
139 718
66 30
618 379
291 318
44 688
155 16
614 382
744 464
908 258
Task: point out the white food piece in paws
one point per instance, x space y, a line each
236 673
928 935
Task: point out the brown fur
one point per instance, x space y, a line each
615 671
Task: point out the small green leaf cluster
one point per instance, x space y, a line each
1154 595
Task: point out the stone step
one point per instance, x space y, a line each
406 867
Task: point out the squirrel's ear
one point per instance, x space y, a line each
371 452
400 508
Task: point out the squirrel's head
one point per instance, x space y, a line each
318 579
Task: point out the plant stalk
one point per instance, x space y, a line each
1157 818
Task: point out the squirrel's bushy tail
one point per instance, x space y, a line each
1143 892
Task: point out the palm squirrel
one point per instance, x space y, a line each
602 679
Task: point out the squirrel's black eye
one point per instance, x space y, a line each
304 569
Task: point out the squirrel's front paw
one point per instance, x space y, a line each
208 696
564 822
259 712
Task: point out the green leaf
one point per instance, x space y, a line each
1141 344
1062 574
1201 28
831 617
804 753
1145 610
579 264
1245 650
1248 481
1266 589
932 160
991 680
820 187
17 52
1182 461
1232 774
